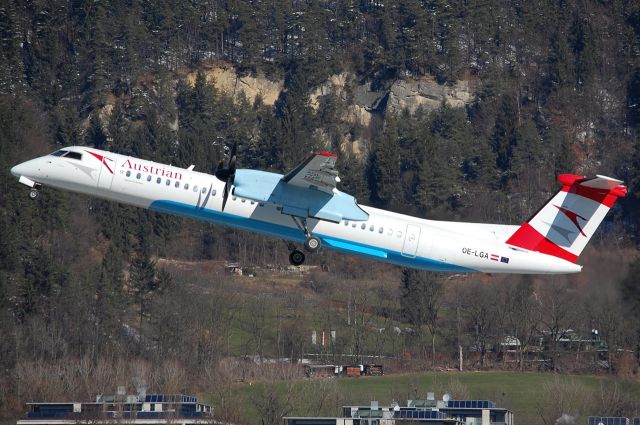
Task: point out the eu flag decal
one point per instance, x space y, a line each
504 260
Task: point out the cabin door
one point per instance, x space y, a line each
411 240
106 173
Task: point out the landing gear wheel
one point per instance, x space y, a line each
33 193
296 257
312 244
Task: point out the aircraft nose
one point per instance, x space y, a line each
18 170
29 168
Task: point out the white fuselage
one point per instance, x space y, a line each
385 236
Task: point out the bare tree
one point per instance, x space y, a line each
563 398
274 403
421 301
480 316
557 315
522 316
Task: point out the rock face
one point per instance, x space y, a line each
361 100
227 81
425 92
364 106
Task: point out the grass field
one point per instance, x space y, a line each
525 394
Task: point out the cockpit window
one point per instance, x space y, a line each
59 153
74 155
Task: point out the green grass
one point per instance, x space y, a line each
523 393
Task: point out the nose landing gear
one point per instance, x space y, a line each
35 190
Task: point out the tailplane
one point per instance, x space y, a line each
564 225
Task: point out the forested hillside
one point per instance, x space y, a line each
554 87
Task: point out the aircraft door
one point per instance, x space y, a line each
106 173
411 240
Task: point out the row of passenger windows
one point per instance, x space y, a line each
372 228
168 183
363 226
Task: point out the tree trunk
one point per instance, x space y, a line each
433 348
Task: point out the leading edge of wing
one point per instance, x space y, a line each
291 174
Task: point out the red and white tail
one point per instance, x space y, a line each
564 225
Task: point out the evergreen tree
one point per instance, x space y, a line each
95 135
505 136
384 167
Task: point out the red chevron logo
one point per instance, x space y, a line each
573 217
102 159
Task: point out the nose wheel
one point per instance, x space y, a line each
33 193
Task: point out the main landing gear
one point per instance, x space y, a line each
311 244
296 257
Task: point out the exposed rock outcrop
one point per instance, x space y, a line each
362 100
227 81
426 92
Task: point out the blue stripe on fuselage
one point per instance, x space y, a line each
294 234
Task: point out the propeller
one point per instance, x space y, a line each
227 174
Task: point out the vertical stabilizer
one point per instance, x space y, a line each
565 224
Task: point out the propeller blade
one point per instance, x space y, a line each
232 158
225 193
228 174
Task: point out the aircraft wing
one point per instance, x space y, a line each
316 172
309 190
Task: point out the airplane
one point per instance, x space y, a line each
305 207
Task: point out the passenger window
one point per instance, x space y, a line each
213 192
128 173
243 200
204 190
177 184
186 186
159 180
149 178
195 188
168 182
138 176
364 226
371 228
390 232
399 234
346 223
353 225
380 230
